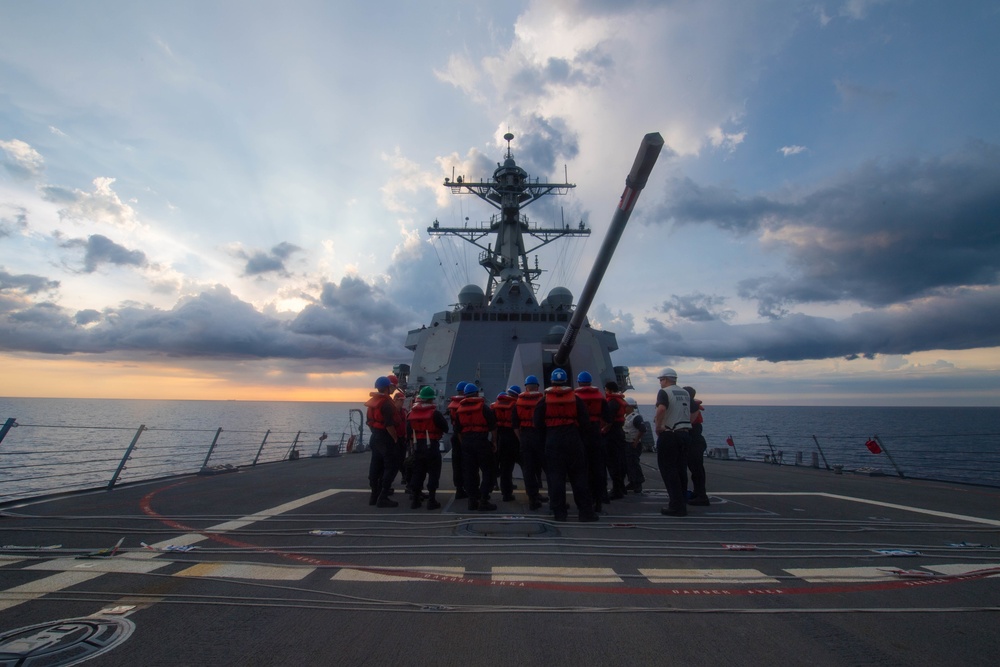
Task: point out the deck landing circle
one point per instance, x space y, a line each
62 643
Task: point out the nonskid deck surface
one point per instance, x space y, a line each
292 555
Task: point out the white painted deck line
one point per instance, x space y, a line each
577 575
348 574
706 576
246 571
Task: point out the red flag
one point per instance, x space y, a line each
873 447
729 441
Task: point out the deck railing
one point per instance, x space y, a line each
40 459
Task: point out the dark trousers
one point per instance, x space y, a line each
426 462
696 464
596 465
532 459
384 462
566 460
457 466
671 458
614 448
507 456
478 460
633 464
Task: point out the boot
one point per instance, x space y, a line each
535 503
385 501
373 498
432 503
486 506
416 502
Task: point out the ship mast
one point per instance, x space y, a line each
510 190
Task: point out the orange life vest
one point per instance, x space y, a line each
560 406
525 407
453 404
376 415
504 410
592 398
471 415
421 419
618 404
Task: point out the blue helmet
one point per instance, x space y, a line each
471 388
460 387
584 378
502 394
531 379
514 390
382 382
559 376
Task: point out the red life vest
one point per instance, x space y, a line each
471 415
453 404
525 407
592 398
618 404
504 410
560 406
376 414
421 419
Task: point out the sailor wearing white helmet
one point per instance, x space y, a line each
634 428
673 424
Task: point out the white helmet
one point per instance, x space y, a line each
667 373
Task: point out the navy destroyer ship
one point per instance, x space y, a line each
497 336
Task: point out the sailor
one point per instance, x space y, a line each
673 426
474 423
563 417
696 453
506 440
381 419
457 469
599 414
425 425
403 443
634 428
532 441
614 438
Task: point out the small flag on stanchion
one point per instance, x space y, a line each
873 447
729 441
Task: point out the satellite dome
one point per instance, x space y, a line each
471 295
560 297
555 334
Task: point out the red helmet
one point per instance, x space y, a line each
393 380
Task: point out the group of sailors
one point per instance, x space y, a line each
581 436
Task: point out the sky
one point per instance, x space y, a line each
229 199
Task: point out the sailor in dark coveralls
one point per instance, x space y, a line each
593 442
563 417
457 465
425 426
508 447
673 426
381 420
532 441
475 421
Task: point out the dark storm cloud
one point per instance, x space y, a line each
542 143
260 262
961 319
353 323
26 283
697 307
886 233
100 250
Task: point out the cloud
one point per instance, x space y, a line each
101 250
101 206
18 220
21 160
354 323
272 261
961 319
697 308
792 150
16 290
886 233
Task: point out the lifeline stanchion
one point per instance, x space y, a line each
774 457
128 454
880 444
821 452
211 448
255 459
9 424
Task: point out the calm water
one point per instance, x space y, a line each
79 443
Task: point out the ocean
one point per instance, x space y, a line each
63 444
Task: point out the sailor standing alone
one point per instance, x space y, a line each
673 426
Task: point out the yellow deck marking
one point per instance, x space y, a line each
245 571
98 565
36 589
579 575
707 576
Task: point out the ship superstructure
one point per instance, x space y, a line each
497 335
